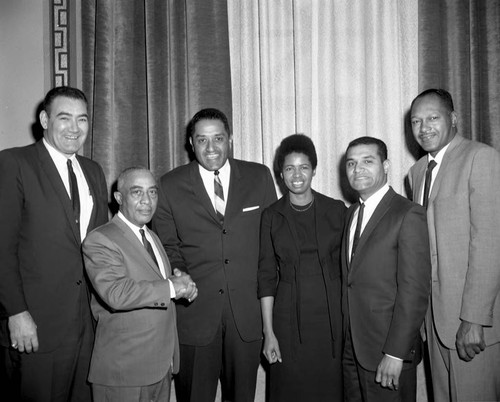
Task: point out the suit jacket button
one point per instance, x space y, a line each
79 282
226 261
163 304
224 231
221 291
156 304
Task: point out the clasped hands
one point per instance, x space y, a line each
184 286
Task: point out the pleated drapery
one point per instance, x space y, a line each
333 70
149 65
459 49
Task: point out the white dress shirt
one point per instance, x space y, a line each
86 200
438 159
149 238
208 181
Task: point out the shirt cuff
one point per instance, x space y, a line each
172 289
394 357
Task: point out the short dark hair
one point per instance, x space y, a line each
209 114
442 94
299 143
67 92
381 147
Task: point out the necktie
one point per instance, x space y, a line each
220 204
75 195
148 247
357 232
428 180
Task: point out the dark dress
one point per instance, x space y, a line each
306 314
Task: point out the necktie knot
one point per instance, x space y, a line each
431 165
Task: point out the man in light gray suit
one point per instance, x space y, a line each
463 323
136 347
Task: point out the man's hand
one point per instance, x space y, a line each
23 336
388 372
470 340
183 285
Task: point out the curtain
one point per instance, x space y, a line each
149 65
459 50
333 70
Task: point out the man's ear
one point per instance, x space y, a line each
118 197
454 118
44 119
387 165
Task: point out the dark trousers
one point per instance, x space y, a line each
56 376
360 385
227 358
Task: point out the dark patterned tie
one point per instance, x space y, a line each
428 180
75 195
357 232
148 247
220 204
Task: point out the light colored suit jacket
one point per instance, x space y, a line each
386 285
464 230
136 335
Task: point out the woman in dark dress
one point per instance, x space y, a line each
299 282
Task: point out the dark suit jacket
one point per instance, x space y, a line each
136 334
40 249
280 258
219 258
386 286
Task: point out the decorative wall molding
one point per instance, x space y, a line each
60 30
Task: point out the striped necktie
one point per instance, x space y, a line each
220 203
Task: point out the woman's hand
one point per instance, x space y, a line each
271 349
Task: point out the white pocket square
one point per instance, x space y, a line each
251 208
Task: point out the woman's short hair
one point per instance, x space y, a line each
298 143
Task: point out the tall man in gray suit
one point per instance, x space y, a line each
208 220
136 346
50 197
463 323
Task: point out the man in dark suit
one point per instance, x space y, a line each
209 226
386 280
136 347
463 325
50 198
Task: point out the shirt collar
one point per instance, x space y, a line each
374 199
439 156
132 226
224 171
57 156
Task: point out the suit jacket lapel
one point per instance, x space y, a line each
200 191
136 244
50 170
448 156
236 189
92 190
378 214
